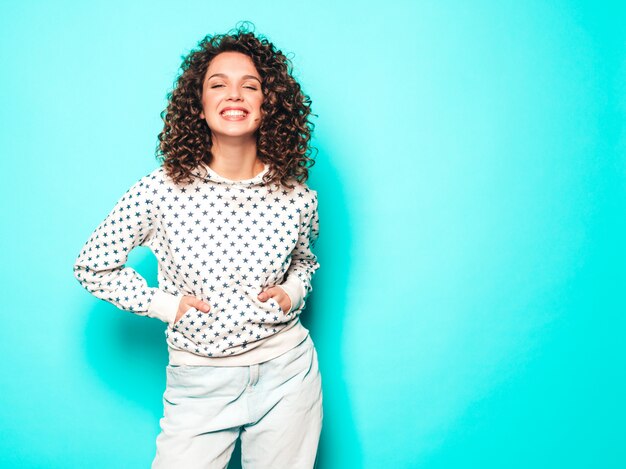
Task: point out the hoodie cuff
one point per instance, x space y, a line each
295 290
164 306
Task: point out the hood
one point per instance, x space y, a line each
216 178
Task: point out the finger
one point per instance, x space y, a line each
283 295
266 294
200 305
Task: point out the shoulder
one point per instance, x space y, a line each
153 181
309 195
305 199
143 189
301 194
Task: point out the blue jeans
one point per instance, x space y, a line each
276 407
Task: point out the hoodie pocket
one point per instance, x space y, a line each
186 325
263 313
236 319
277 315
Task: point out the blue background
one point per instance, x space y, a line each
472 185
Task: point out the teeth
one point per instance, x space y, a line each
233 113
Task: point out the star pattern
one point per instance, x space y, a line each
219 240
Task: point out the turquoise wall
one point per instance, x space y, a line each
472 185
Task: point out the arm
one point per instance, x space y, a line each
100 266
303 262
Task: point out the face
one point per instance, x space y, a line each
232 96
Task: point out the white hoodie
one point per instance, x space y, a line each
217 239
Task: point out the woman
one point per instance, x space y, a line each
232 222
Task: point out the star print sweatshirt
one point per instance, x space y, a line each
220 240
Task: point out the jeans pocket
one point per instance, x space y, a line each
177 368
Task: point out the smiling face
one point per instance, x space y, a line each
232 96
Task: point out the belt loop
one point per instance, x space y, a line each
254 374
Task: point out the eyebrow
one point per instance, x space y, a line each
223 75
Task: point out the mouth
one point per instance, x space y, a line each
234 114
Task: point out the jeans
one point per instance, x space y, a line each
276 407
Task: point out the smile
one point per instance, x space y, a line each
234 114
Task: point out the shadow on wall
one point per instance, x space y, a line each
127 351
325 316
129 354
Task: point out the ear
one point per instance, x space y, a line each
202 115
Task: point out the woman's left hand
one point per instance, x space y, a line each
278 294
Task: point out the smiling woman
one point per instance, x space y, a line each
231 99
233 223
244 73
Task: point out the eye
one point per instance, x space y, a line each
251 87
216 86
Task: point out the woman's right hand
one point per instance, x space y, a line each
187 302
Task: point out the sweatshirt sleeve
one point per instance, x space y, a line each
303 261
100 266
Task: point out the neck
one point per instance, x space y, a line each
235 159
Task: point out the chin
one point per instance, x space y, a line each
232 134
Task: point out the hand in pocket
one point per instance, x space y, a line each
279 295
187 302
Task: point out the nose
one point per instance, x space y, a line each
234 93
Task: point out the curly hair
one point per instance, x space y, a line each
284 134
